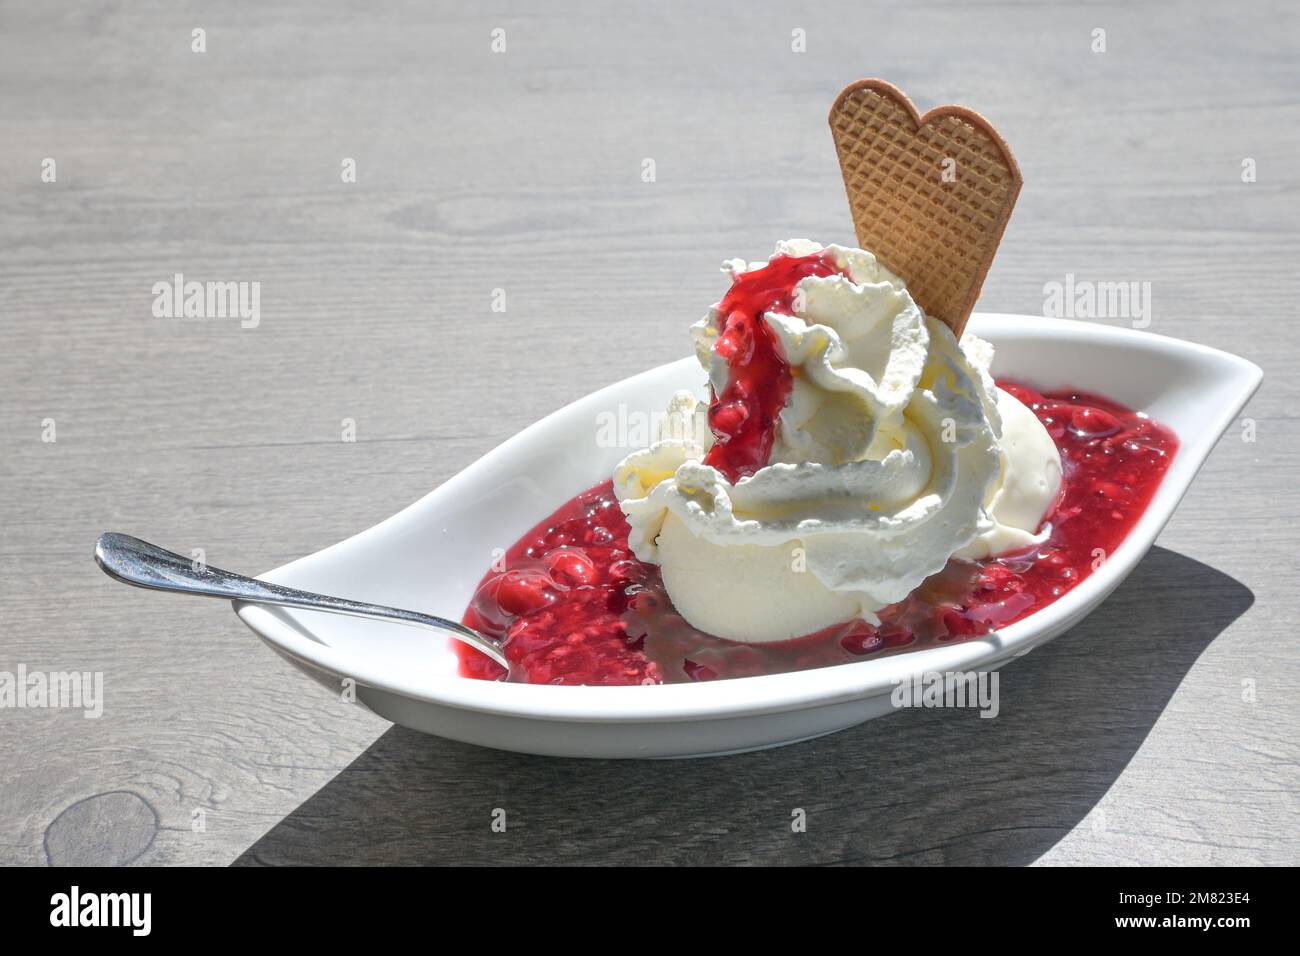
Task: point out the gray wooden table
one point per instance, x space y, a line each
1162 730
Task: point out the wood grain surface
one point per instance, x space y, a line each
1163 729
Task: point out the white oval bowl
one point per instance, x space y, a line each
431 556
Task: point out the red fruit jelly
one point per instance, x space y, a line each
743 418
574 606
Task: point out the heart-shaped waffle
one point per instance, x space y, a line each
930 195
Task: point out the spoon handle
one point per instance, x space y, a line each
145 565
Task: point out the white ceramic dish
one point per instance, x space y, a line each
430 556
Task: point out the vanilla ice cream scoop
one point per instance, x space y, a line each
1027 486
850 448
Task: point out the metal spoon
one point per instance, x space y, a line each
145 565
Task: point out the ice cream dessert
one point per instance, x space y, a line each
850 448
856 484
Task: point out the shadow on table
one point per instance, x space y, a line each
919 786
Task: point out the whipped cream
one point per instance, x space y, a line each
889 457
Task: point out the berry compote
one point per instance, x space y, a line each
574 606
743 418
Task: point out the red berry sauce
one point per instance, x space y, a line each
743 418
575 607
